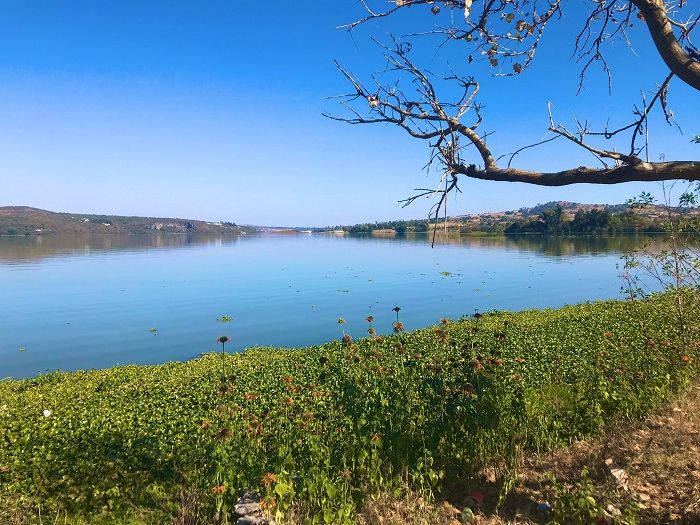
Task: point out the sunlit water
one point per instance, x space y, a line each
91 302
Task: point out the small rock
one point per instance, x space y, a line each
253 520
544 507
247 509
620 476
643 497
613 510
609 461
248 496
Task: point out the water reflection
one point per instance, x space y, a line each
539 244
35 248
21 250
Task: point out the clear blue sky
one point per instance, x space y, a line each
213 109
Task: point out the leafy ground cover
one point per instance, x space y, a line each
660 455
319 430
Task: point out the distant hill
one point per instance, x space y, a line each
23 220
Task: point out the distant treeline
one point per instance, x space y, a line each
554 221
398 226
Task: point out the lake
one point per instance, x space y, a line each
91 302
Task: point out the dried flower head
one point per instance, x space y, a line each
224 433
268 479
268 503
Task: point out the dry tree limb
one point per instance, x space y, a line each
508 32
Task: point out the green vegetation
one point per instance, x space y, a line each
398 226
316 430
22 220
552 218
554 221
577 504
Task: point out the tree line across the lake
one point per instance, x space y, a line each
556 221
552 218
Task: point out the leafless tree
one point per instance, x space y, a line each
444 110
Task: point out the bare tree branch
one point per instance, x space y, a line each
422 114
508 32
684 65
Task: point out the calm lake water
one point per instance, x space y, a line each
91 302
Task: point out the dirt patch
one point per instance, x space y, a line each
411 510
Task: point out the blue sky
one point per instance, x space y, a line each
213 109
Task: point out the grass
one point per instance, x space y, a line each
321 431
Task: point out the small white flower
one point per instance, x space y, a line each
47 413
